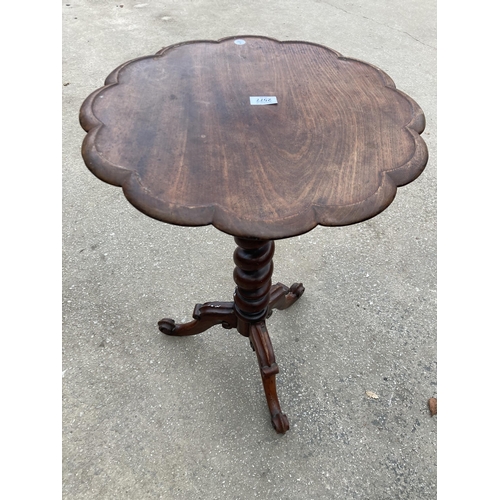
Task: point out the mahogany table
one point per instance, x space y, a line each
262 139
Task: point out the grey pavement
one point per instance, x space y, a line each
150 416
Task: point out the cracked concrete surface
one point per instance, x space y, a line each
148 416
408 8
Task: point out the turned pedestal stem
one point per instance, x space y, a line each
252 275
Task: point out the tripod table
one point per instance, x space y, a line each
262 139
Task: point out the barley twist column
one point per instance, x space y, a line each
252 275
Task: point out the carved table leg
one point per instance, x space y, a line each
205 316
281 297
268 369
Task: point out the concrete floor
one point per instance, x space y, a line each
149 416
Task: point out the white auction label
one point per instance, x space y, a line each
261 100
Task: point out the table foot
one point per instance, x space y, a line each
205 316
282 297
280 423
261 343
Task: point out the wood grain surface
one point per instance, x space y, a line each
177 131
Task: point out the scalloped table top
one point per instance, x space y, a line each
177 132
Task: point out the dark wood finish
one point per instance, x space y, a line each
176 130
254 299
281 297
205 316
252 275
261 343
